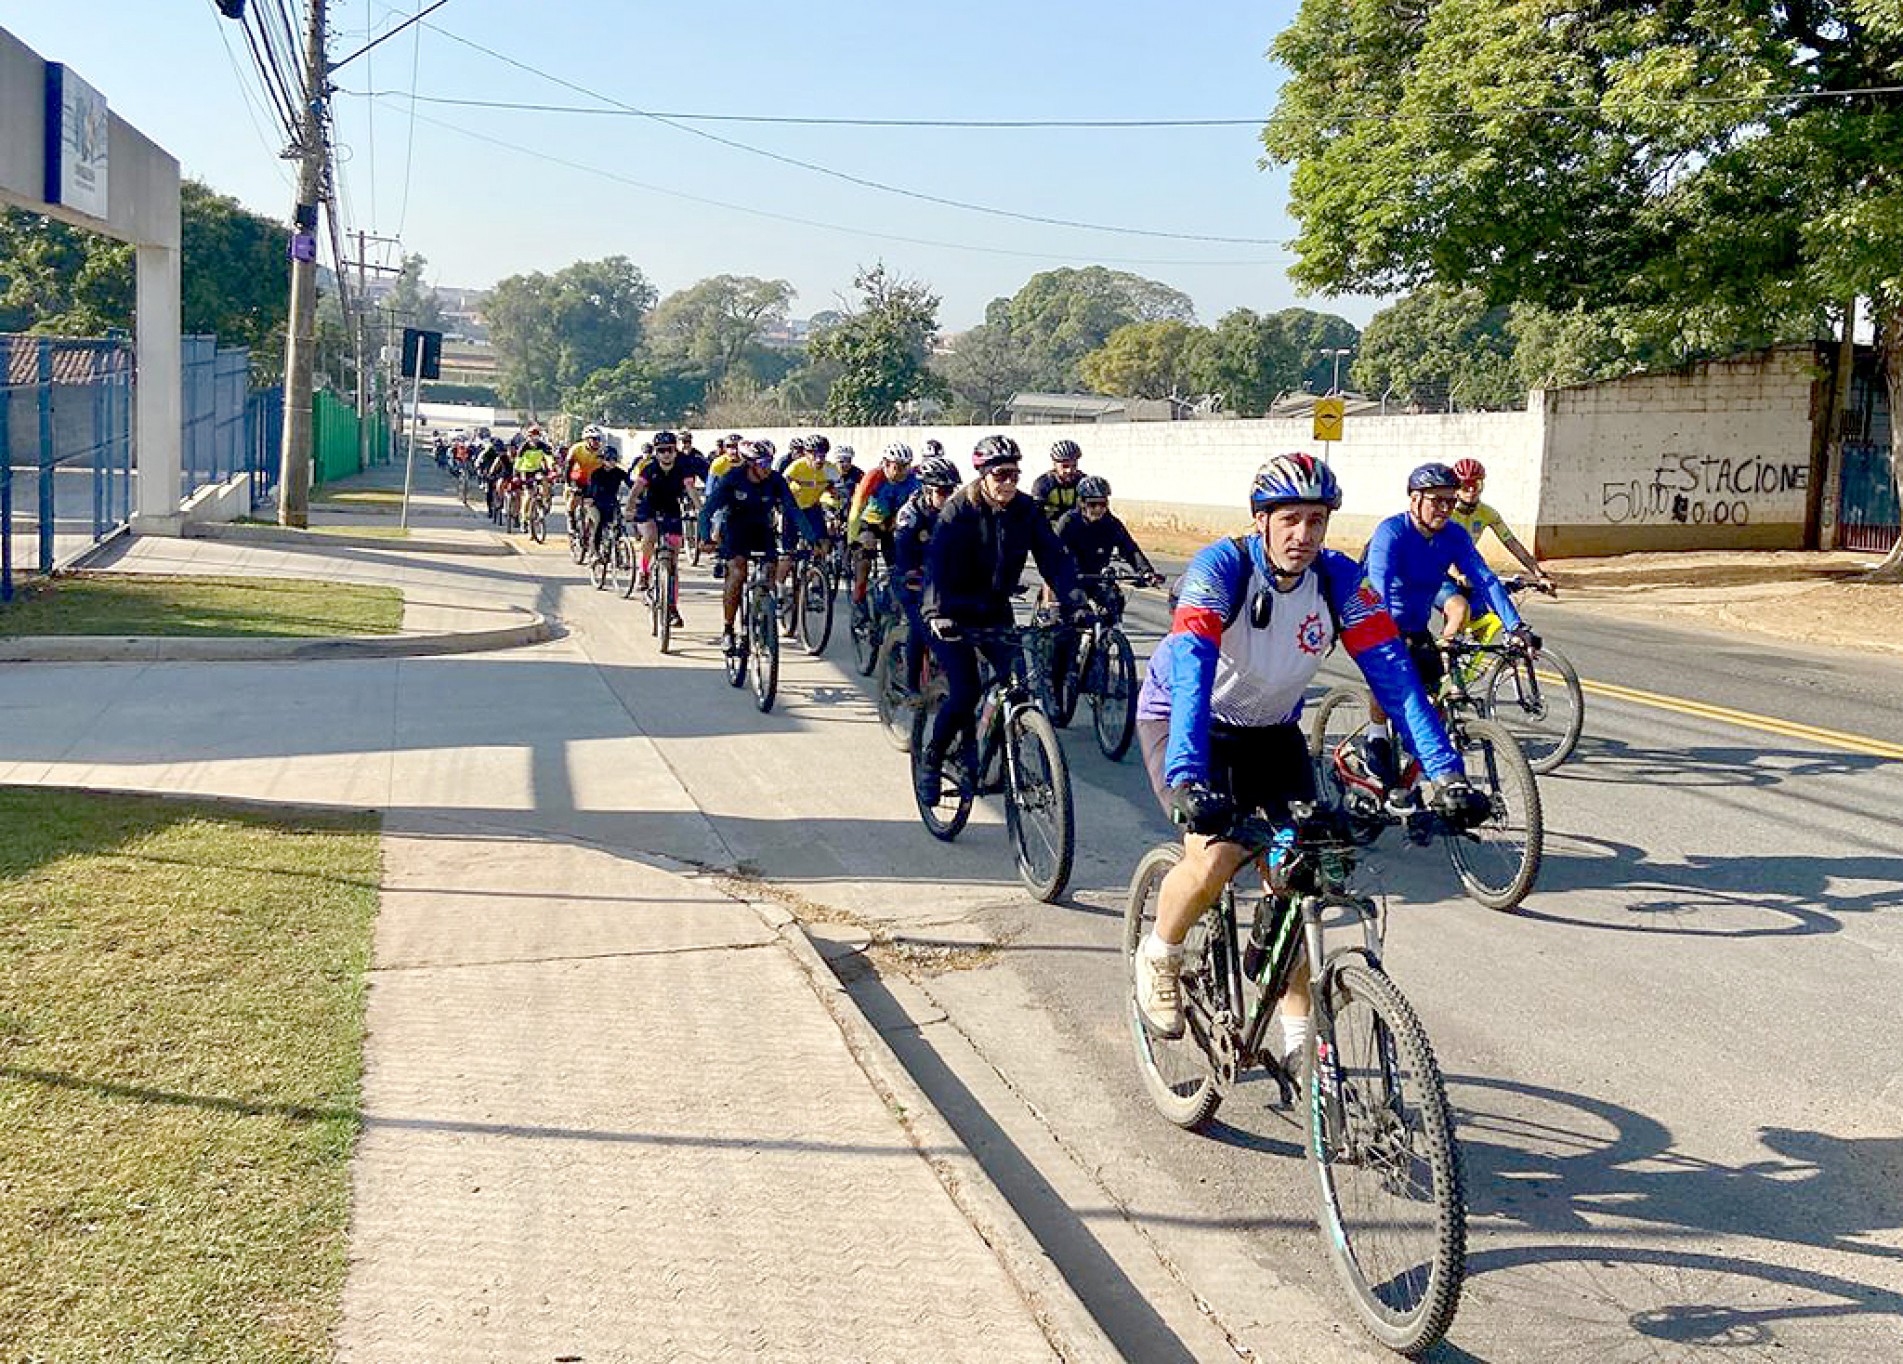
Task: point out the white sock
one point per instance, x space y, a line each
1294 1037
1159 951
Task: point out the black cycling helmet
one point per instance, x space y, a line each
1429 477
995 450
1066 451
664 440
817 444
933 450
1093 488
938 472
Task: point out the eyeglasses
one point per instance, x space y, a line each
1446 501
1096 506
1007 474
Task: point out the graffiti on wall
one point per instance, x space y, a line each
1702 490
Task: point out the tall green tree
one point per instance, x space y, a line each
414 302
717 322
984 370
1439 350
644 390
1312 336
881 350
1146 360
1060 316
551 332
1680 159
1248 360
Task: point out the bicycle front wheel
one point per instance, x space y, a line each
599 566
625 575
888 689
1178 1074
538 524
664 593
864 627
1038 810
1499 860
766 651
816 608
1381 1136
1541 703
1113 696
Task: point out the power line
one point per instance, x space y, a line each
271 75
861 181
252 107
391 33
409 145
813 222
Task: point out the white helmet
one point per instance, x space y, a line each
591 432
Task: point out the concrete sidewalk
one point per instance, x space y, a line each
613 1109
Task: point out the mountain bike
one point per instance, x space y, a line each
1535 694
1103 668
690 527
1498 860
1378 1127
756 638
580 530
895 700
663 591
612 561
871 620
806 602
535 510
1012 748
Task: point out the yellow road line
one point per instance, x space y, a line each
1790 729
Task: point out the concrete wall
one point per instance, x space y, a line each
1716 456
225 501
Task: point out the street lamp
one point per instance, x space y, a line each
1337 352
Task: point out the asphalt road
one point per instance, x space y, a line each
1676 1068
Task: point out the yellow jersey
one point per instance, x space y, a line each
809 481
582 461
722 464
1481 518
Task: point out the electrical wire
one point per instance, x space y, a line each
254 109
273 79
859 180
748 209
409 145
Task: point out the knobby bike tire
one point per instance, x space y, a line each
655 615
888 690
1499 861
734 661
1338 716
1060 688
1548 736
815 608
766 652
1113 700
1407 1299
1177 1075
946 819
599 567
538 525
664 593
1038 810
627 566
866 636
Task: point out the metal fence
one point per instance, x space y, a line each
66 471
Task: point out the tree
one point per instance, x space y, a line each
1439 349
717 322
59 280
984 371
1248 360
551 332
1060 316
1145 360
643 390
1552 349
1311 336
881 349
414 302
1669 158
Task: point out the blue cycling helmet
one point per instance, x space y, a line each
1431 476
1294 478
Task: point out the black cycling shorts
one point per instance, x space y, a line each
1261 769
1423 647
751 538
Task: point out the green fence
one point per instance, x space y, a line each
334 438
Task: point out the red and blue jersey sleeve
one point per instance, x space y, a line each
1183 672
1373 640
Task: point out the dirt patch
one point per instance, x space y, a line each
904 951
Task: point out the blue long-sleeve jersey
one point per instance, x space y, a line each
1219 664
1408 569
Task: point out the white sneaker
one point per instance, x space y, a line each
1159 991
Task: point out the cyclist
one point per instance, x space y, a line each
496 465
972 563
605 484
809 476
875 507
1094 535
726 458
1218 716
1476 518
743 504
660 493
582 459
1056 491
847 473
532 464
911 533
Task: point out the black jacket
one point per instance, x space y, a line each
1093 544
977 553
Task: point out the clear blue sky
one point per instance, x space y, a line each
480 211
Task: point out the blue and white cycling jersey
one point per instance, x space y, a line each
1408 568
1218 665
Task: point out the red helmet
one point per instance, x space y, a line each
1470 471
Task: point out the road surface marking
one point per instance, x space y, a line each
1790 729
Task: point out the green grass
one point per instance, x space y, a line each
142 604
369 532
181 1026
368 497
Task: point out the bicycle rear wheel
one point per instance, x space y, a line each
538 522
866 636
1037 808
664 594
1178 1074
1381 1136
888 689
1112 674
766 650
1499 860
945 817
1540 701
599 567
1340 715
626 575
815 608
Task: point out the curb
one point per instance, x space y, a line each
533 629
1073 1333
318 541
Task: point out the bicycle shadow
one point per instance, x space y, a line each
1608 761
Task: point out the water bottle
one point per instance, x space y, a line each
1272 905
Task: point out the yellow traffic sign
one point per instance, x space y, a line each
1328 413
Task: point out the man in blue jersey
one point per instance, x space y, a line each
1218 717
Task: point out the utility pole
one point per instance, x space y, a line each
300 343
366 270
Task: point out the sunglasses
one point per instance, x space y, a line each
1447 501
1008 474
